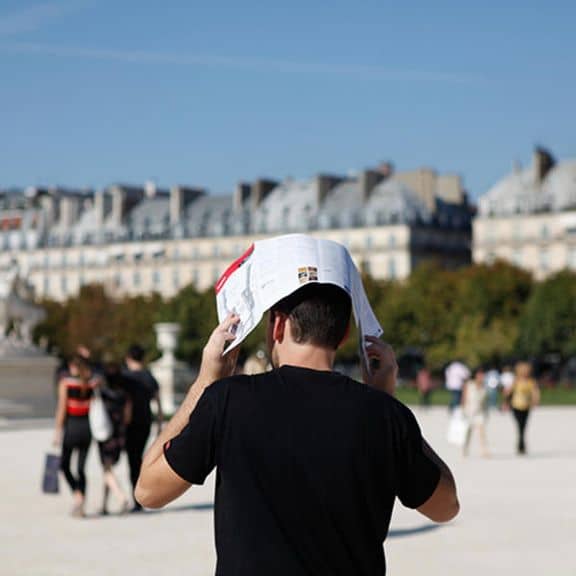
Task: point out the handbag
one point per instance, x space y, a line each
50 483
457 428
100 423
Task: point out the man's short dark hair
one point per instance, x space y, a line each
319 314
136 353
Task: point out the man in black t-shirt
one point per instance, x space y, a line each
142 388
309 462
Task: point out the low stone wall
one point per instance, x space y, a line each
27 387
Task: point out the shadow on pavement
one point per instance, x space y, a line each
208 506
404 532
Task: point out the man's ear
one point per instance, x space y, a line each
279 326
346 335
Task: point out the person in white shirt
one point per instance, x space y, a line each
455 375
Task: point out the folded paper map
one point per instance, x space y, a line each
272 269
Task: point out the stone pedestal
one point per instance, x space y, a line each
171 374
27 386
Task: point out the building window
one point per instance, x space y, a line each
176 254
216 250
517 231
136 279
490 257
46 288
490 232
544 261
517 258
215 274
392 241
176 279
545 232
63 285
118 280
368 242
195 277
156 278
391 268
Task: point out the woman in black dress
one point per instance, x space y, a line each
119 408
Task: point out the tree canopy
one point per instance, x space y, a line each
482 314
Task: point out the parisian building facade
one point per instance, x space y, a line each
140 240
529 218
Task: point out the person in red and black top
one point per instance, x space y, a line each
75 390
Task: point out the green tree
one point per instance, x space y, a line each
196 313
104 325
548 323
488 304
418 313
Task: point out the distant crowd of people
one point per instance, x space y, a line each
478 391
127 391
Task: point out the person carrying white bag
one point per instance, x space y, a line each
72 432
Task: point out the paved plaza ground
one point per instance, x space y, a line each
518 514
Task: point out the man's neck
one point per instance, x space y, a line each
306 356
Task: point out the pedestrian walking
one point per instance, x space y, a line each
119 408
522 397
142 389
456 374
72 431
474 409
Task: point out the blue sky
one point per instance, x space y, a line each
208 93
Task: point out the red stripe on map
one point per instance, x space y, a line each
232 268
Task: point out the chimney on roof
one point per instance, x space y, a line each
150 189
260 189
324 183
368 180
99 209
124 198
48 205
68 211
543 162
386 169
242 194
180 198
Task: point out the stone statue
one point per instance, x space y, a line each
18 313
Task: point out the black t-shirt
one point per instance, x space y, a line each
308 466
142 387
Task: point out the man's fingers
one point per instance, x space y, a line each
230 322
225 331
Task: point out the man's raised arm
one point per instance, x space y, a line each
443 504
158 484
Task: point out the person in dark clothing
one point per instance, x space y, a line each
142 389
119 407
75 390
309 462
